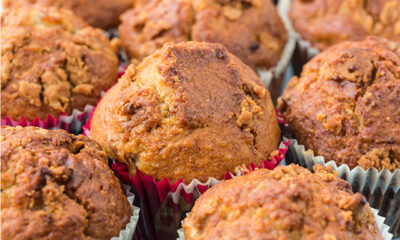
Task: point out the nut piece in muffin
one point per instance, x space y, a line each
288 202
98 13
52 62
55 185
190 110
346 104
250 29
326 22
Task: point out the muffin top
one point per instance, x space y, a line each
190 110
52 62
98 13
286 203
250 29
346 104
327 22
55 185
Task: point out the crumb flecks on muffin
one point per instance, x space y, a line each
288 202
327 22
191 110
52 62
56 185
346 104
98 13
251 30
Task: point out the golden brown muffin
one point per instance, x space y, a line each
55 185
346 104
327 22
250 29
145 29
52 62
190 110
286 203
98 13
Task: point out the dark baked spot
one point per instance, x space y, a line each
254 47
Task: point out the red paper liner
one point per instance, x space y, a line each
163 204
71 123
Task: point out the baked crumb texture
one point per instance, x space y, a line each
190 110
288 202
327 22
346 104
98 13
52 62
55 185
250 29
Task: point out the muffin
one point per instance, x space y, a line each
98 13
51 63
288 202
250 29
345 106
55 185
189 111
326 22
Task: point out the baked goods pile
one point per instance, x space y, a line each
173 99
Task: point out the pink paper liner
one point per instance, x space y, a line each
162 213
64 121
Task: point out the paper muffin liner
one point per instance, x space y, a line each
303 50
383 228
381 188
273 77
127 233
163 204
71 123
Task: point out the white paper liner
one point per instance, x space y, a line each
273 77
381 188
383 228
127 233
304 49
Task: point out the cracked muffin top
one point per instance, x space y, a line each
327 22
288 202
98 13
250 29
52 62
346 104
190 110
55 185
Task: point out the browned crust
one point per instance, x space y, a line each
346 104
55 185
52 62
327 22
190 110
98 13
251 30
286 203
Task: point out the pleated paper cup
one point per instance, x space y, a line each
303 50
383 228
128 232
273 77
381 188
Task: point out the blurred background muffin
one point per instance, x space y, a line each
98 13
250 29
327 22
288 202
322 23
189 111
55 185
52 62
345 106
